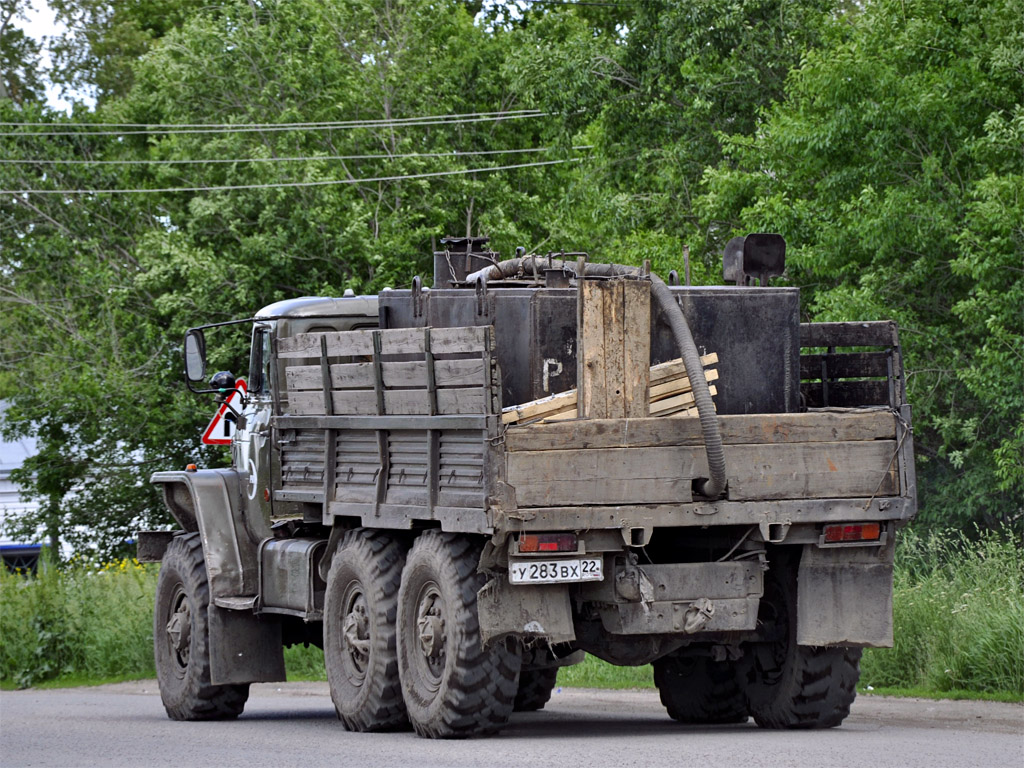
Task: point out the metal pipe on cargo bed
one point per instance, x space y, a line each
680 332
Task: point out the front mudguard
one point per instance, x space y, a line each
210 501
244 647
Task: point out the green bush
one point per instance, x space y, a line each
959 615
84 621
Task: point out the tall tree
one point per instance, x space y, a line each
104 284
655 94
104 38
20 79
895 166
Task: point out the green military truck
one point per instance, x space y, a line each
456 490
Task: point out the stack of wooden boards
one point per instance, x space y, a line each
670 395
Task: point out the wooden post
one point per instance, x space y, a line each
613 349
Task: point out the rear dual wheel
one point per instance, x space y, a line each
360 611
796 686
535 687
453 688
698 690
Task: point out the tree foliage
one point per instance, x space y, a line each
20 78
883 140
894 166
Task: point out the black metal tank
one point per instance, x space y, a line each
755 332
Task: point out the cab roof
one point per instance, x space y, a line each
315 306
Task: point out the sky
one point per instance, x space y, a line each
40 24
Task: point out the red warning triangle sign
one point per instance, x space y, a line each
222 426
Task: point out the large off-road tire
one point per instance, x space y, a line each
360 612
695 689
535 687
452 687
796 686
181 638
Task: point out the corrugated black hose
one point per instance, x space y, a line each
715 485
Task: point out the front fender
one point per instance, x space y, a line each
210 501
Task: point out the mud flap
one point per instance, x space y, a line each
524 611
244 648
844 596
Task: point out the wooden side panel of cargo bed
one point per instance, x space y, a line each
641 461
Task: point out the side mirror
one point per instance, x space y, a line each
195 355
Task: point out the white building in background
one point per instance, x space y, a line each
16 554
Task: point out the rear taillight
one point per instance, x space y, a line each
843 532
548 542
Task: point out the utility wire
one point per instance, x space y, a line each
274 128
575 2
285 184
286 159
156 126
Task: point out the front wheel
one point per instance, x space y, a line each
453 688
181 639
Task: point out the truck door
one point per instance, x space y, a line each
256 440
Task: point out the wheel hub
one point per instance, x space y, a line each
430 627
356 633
179 629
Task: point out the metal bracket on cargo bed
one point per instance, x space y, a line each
778 529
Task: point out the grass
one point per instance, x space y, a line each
959 617
85 622
958 608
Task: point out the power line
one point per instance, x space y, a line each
285 184
285 159
410 123
576 2
157 126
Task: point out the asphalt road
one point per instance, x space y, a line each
294 725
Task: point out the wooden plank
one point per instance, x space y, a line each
536 408
614 309
343 376
339 344
612 476
397 341
811 427
397 402
811 470
845 365
449 373
672 404
443 341
673 369
591 345
880 333
637 348
685 413
563 405
846 393
680 385
654 475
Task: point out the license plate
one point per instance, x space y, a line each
555 571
